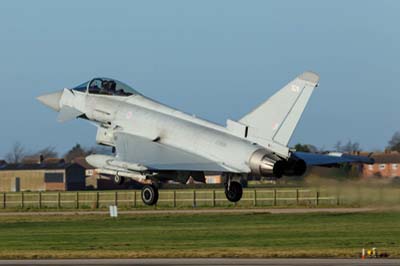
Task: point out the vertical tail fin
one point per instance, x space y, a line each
277 118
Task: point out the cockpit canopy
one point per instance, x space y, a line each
106 86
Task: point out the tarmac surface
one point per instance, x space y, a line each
193 211
209 262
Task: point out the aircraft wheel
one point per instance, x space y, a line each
118 179
149 195
235 191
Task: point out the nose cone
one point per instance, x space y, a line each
51 100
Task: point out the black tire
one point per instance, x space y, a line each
235 192
149 195
118 179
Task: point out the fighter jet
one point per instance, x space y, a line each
152 141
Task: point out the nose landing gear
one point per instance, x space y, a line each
118 179
149 192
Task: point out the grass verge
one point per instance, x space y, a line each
199 235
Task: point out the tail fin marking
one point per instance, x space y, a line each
277 118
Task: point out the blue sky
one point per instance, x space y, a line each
217 59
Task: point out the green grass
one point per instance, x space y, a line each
200 235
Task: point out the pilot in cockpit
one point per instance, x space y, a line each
108 87
93 87
113 86
104 87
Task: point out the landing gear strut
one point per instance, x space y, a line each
233 191
150 194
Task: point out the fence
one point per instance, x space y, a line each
185 198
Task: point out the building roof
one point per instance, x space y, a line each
53 161
386 157
82 162
37 159
36 166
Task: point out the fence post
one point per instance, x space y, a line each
255 198
297 196
40 200
77 200
4 200
22 200
317 198
58 200
275 201
337 197
116 198
194 198
213 198
134 199
174 198
97 200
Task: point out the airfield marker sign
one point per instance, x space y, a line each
113 211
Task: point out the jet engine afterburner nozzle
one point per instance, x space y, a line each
265 163
295 167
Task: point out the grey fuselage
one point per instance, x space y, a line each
143 117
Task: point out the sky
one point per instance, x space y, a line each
215 59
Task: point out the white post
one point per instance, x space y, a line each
113 211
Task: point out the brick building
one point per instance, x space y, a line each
387 165
49 175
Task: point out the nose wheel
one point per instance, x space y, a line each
233 191
150 194
118 179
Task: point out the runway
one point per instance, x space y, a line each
208 262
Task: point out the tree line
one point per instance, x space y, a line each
19 153
350 146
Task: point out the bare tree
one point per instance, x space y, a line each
348 147
394 143
338 146
306 148
75 152
47 152
79 151
16 154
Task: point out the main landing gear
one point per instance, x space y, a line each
150 194
233 190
